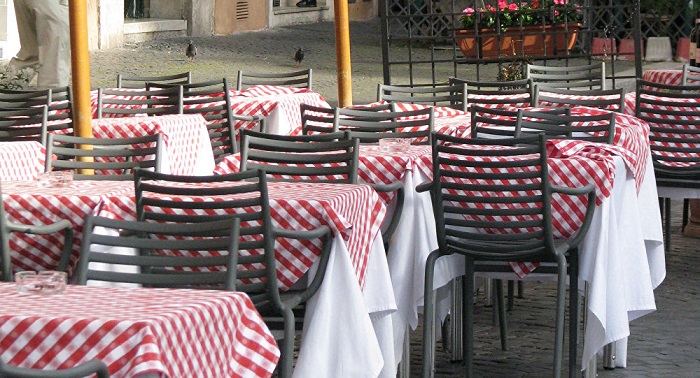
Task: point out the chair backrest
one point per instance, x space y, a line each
192 199
497 94
123 102
690 75
370 125
87 369
109 158
608 99
490 122
58 100
315 119
170 254
23 124
211 100
591 76
331 157
598 128
5 258
297 79
139 82
513 222
673 114
452 95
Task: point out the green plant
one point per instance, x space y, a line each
10 78
547 12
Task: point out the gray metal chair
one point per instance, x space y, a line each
371 125
83 370
122 102
608 99
690 75
244 195
211 99
591 76
453 95
493 122
7 228
598 128
58 100
296 79
672 112
23 124
109 158
139 82
497 93
331 157
480 228
315 119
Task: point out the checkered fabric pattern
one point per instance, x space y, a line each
21 160
671 77
171 332
182 136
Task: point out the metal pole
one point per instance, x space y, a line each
342 53
80 64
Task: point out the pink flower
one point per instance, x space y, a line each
561 2
513 7
535 4
502 4
469 11
556 13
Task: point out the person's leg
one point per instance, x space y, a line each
28 54
53 35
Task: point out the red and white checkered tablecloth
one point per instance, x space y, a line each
493 101
184 136
670 77
546 104
353 212
21 160
170 332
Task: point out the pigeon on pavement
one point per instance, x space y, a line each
191 51
298 57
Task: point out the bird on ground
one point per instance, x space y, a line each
298 57
191 51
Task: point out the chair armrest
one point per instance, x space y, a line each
424 187
322 232
588 190
84 370
256 118
393 223
63 224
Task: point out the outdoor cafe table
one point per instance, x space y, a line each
137 332
621 257
360 343
186 145
664 76
21 160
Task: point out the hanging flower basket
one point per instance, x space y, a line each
547 40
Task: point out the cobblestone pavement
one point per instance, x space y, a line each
663 343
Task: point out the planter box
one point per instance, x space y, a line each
527 41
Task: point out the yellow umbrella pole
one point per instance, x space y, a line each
342 53
80 66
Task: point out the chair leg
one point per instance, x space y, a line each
468 320
511 294
286 362
501 308
429 317
667 224
686 212
521 290
573 313
559 330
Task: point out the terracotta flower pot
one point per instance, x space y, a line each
528 40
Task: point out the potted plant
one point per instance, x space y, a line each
542 28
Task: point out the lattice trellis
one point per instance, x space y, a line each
418 37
